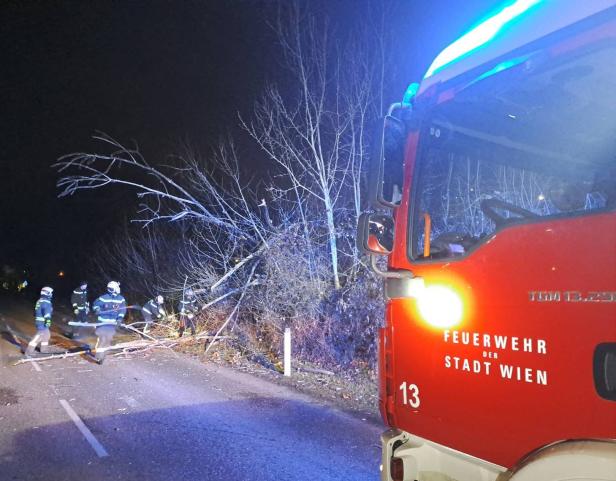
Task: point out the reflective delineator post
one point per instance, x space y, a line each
287 351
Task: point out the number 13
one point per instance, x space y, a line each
410 394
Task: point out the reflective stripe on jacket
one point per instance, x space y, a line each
110 309
153 309
188 306
43 310
79 299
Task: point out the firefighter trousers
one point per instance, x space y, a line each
187 322
147 318
105 335
42 336
81 316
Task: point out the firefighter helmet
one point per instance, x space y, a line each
47 291
113 287
159 299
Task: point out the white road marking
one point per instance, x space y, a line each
36 366
98 447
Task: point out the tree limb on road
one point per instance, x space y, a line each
123 345
235 309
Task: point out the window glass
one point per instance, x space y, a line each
520 146
469 195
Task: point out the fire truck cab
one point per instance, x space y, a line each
495 203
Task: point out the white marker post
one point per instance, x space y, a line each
287 351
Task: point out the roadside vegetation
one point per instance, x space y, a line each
272 246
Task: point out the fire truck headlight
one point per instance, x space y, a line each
440 306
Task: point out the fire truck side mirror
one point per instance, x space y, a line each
390 163
375 234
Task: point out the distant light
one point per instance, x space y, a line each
61 274
480 35
541 197
440 306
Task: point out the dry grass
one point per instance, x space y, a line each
353 389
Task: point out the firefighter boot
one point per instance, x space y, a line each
99 357
29 352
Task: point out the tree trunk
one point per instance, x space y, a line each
331 230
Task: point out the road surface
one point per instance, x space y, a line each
166 417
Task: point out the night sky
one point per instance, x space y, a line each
156 72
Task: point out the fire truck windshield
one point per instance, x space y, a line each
516 148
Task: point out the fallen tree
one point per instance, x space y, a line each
132 345
140 345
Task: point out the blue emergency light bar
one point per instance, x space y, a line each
480 35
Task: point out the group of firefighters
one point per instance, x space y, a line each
110 310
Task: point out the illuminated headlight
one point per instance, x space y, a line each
440 306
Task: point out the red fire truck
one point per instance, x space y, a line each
495 204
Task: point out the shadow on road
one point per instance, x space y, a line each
255 438
7 336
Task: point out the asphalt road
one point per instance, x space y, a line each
166 417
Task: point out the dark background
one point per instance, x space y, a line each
155 72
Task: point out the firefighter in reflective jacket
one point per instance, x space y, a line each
79 300
110 309
188 309
152 309
43 310
81 306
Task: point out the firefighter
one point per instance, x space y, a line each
81 306
152 308
43 310
110 309
188 309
